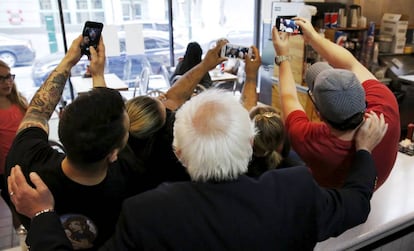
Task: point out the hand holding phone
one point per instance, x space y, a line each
287 24
91 35
235 51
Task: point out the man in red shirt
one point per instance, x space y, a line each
342 90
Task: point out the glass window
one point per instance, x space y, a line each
125 11
98 16
203 21
97 4
81 17
45 4
136 9
64 4
67 17
206 21
82 4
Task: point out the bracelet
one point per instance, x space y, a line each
49 210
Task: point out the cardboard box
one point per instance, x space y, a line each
297 54
398 44
394 25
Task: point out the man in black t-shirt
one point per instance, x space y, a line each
88 181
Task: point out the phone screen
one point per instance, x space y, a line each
235 51
287 24
91 34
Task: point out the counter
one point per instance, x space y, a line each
392 209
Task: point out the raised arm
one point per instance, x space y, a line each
287 86
183 89
336 55
341 209
47 97
97 64
249 95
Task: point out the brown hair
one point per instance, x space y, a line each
270 136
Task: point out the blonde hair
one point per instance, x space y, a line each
15 97
145 116
270 135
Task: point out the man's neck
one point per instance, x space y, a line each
87 178
343 135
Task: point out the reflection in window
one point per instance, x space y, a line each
150 43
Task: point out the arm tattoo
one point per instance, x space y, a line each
44 101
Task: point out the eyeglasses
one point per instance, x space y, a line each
9 77
312 98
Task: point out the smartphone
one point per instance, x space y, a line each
235 51
91 34
287 24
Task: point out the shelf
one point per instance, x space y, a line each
349 28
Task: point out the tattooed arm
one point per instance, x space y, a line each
47 97
183 89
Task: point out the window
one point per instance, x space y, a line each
82 4
97 4
45 4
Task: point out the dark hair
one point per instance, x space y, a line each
192 57
93 125
348 124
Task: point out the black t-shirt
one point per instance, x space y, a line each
94 209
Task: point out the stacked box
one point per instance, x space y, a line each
395 25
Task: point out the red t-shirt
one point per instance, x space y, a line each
10 119
330 158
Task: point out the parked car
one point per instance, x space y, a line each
16 52
126 67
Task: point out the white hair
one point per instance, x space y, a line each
213 135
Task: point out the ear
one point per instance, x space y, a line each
113 155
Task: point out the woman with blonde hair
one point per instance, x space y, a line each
271 147
13 106
151 125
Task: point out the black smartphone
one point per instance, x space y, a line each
287 24
91 34
235 51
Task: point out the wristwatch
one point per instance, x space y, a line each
280 59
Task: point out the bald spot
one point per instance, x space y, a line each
211 119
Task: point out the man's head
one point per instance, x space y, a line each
213 136
94 125
338 95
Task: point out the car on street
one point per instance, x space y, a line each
15 51
126 67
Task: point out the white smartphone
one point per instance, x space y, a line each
235 51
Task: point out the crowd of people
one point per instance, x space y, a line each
204 172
